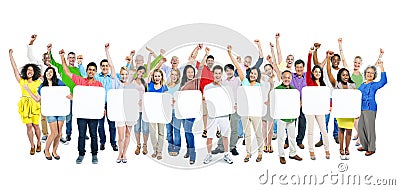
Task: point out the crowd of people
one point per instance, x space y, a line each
159 76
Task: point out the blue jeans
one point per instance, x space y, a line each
68 119
174 134
82 128
188 126
111 127
275 126
240 128
141 126
335 126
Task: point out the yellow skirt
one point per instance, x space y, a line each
29 110
345 123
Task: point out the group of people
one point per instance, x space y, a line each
160 77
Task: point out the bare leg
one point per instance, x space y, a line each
51 137
209 144
127 140
57 137
121 136
29 133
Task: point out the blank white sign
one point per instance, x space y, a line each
346 103
316 100
219 101
54 101
157 107
123 105
88 102
250 101
285 103
188 104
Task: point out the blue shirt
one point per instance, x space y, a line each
60 83
368 92
105 80
151 88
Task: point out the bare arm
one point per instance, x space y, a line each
234 61
260 53
194 53
379 62
274 64
341 54
14 66
113 74
315 56
278 48
64 64
151 53
329 69
35 97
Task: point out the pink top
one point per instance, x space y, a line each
85 82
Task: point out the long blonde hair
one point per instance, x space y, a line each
178 76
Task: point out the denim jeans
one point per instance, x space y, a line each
141 126
68 119
174 134
111 127
335 126
188 126
82 128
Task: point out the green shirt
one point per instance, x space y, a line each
66 80
358 79
152 65
284 87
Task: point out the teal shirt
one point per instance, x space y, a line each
284 87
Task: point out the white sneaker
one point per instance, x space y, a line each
343 157
64 141
228 159
44 138
207 159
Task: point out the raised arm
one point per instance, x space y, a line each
14 66
30 56
195 52
341 54
381 52
329 69
151 52
260 52
64 64
315 56
383 79
110 63
234 61
203 61
274 64
278 48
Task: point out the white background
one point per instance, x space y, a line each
84 27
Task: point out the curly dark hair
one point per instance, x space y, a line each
36 71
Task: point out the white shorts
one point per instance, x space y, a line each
221 123
125 123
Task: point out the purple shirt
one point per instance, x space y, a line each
298 83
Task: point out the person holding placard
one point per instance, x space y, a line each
55 122
345 124
156 84
366 124
84 123
287 124
221 122
315 77
173 128
28 105
253 79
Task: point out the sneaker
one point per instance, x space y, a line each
94 159
204 135
64 141
228 159
274 136
343 157
87 137
102 147
68 137
216 151
337 140
44 138
115 147
244 142
207 159
234 152
79 159
218 134
319 143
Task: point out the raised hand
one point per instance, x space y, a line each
271 44
330 54
10 51
229 48
49 46
107 46
162 51
239 59
257 41
33 38
277 35
199 46
339 40
207 50
133 52
79 58
269 59
61 52
312 49
381 52
317 45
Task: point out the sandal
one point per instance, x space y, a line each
32 152
218 134
327 155
269 149
204 135
342 155
39 147
159 157
137 151
144 149
312 155
259 158
154 154
247 158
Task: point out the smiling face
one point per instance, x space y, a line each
104 67
345 76
229 73
30 72
157 77
357 63
124 75
335 61
268 70
49 74
247 62
139 60
210 62
140 73
91 71
174 61
317 73
289 61
71 59
217 75
190 73
369 74
174 76
253 75
299 69
286 78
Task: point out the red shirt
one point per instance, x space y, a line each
85 82
207 76
309 80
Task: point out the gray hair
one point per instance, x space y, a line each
372 67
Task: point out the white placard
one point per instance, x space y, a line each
316 100
346 103
54 101
285 103
88 102
250 101
157 107
123 105
220 101
188 104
